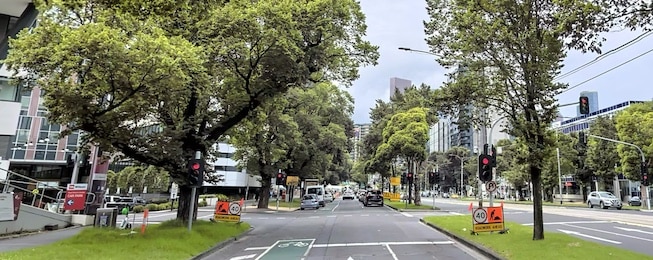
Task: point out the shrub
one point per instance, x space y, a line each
164 206
138 209
159 200
175 205
222 197
202 203
152 207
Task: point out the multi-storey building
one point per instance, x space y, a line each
360 131
399 84
235 180
581 123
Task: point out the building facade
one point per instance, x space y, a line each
360 131
582 122
399 84
234 178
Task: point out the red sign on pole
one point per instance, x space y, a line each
75 197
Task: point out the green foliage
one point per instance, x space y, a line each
405 136
602 156
160 80
635 125
138 177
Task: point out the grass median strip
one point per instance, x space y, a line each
402 205
168 240
548 203
518 243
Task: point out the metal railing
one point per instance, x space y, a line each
39 191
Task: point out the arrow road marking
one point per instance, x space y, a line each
349 258
568 232
243 257
634 230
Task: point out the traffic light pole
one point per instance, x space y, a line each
641 153
193 192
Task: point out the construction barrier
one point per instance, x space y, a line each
392 196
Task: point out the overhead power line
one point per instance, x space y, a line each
606 54
605 72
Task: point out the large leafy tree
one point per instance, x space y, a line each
602 156
193 69
510 52
635 126
138 178
550 177
404 136
304 133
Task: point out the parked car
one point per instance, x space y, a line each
309 201
328 197
373 197
603 199
635 201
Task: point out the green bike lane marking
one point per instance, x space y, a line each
287 249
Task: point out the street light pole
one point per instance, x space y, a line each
559 174
648 199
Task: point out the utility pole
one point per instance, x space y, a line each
193 192
559 174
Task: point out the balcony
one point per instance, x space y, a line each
14 8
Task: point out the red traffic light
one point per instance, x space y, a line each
485 161
279 175
195 166
583 100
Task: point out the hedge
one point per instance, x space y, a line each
163 206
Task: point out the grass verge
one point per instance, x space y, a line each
169 240
518 243
283 204
402 205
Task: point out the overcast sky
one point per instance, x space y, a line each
393 24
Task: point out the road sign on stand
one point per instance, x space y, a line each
395 181
75 196
227 211
488 219
491 186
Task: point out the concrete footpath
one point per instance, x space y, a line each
37 239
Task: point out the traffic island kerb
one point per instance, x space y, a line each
471 244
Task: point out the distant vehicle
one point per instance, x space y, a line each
328 197
318 190
348 195
373 197
309 201
635 201
603 199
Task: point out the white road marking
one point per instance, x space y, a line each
406 214
334 208
243 257
568 232
634 230
394 256
456 213
263 218
571 222
281 218
331 216
257 248
365 215
611 233
384 243
347 215
245 218
314 217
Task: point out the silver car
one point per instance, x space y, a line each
309 201
603 199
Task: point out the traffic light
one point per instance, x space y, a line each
644 172
409 177
484 167
279 179
581 138
584 105
195 172
432 178
403 178
493 156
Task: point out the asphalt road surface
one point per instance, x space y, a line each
628 229
342 230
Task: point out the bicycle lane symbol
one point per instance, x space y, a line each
287 249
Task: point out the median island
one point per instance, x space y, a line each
168 240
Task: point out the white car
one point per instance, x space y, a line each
328 197
348 195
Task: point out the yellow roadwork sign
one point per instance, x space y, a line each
227 218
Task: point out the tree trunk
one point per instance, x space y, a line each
418 196
264 197
536 194
184 204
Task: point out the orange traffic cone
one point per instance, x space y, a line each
471 206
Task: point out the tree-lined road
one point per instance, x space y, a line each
628 229
342 230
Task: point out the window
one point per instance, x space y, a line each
19 154
39 155
25 122
51 155
21 136
8 92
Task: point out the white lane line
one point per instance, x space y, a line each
347 215
365 215
263 218
394 256
331 216
243 257
571 222
281 218
384 243
268 250
334 208
607 232
406 214
569 232
257 248
314 217
456 213
634 230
